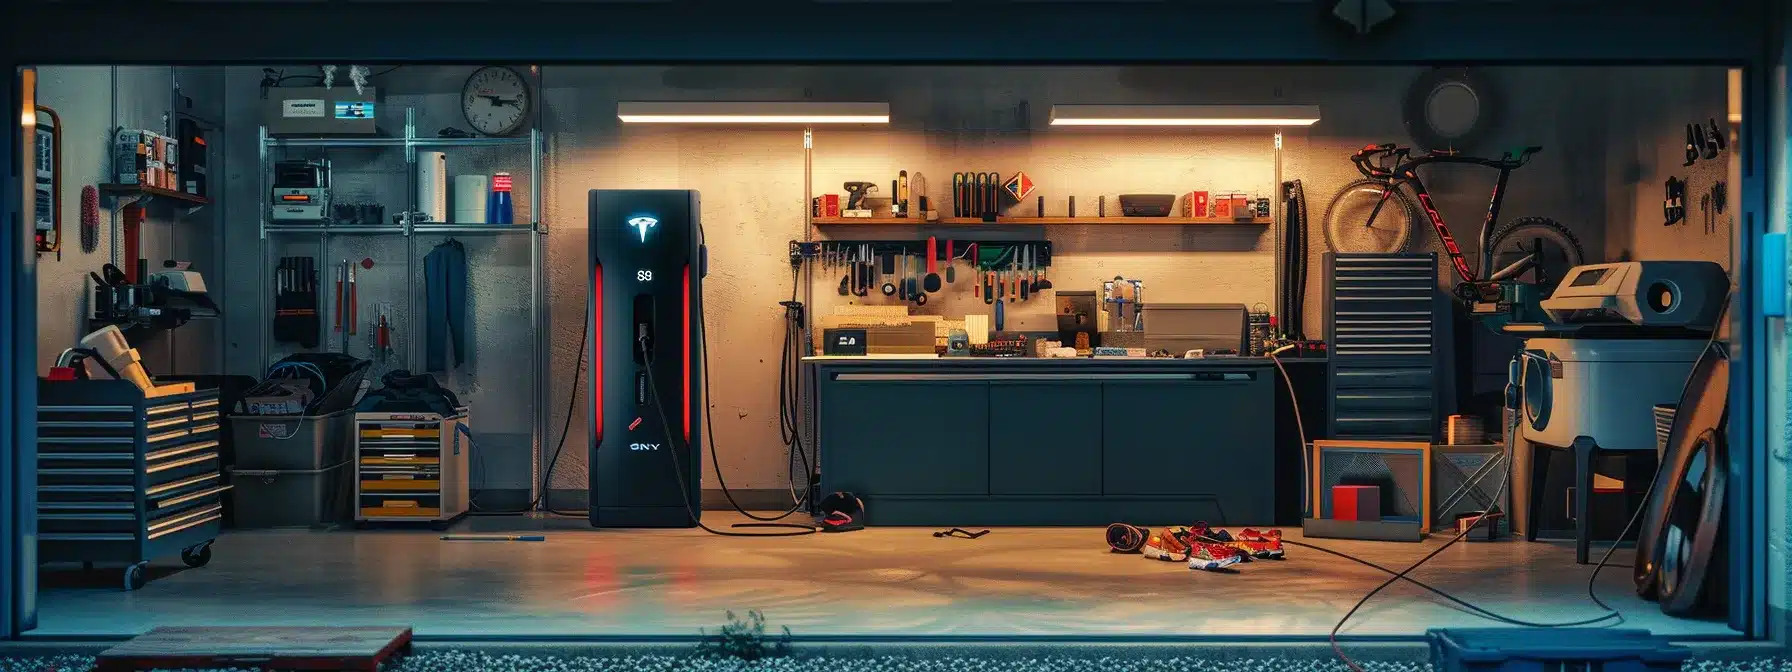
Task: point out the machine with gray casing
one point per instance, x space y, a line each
1626 336
1683 294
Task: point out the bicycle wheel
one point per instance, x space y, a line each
1347 225
1514 240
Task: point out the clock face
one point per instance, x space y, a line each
496 101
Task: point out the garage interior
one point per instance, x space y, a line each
356 278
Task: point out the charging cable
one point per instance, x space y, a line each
678 472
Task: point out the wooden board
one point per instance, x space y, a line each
265 648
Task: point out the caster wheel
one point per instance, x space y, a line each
134 576
197 556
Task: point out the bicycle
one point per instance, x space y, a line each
1552 248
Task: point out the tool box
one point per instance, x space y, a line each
411 467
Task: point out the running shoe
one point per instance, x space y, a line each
1213 557
1168 545
1266 544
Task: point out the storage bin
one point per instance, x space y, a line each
293 497
1534 649
292 442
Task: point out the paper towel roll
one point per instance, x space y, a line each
432 185
469 198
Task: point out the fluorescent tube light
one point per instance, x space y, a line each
1185 115
753 113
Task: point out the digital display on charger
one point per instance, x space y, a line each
357 109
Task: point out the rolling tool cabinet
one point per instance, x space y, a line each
127 478
411 467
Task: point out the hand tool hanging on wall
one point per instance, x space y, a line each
1693 144
920 293
932 282
951 263
295 302
1673 206
354 303
341 276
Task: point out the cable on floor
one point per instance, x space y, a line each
565 428
1402 575
678 473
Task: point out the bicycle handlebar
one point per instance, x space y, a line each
1367 159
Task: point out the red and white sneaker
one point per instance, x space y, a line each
1168 545
1266 544
1213 557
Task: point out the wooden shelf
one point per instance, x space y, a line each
1024 221
143 191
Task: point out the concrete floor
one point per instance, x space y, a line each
880 582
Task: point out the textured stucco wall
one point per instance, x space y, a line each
92 101
948 119
1598 175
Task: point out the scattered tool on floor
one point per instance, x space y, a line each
960 533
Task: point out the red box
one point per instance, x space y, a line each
1356 502
827 205
1194 204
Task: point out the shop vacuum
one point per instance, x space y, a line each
647 268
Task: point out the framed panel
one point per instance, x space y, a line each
1402 469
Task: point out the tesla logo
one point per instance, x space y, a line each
642 224
643 446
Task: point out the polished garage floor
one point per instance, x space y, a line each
881 581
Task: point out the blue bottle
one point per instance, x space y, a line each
498 208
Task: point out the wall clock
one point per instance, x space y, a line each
496 101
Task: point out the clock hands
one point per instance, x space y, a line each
500 100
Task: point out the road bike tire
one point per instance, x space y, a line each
1562 250
1347 216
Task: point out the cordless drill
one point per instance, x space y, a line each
856 192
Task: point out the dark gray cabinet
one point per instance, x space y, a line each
1210 441
907 435
1049 442
1044 438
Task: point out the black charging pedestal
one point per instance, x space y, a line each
647 266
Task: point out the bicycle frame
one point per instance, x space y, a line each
1407 173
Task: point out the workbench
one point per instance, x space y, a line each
1026 441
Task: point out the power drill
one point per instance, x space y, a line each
856 193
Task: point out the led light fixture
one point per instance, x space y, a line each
753 113
1185 115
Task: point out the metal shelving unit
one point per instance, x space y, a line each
411 143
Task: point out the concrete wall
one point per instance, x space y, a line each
1611 135
92 101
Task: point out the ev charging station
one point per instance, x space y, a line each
646 357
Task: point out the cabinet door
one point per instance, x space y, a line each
1045 438
1194 438
905 435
